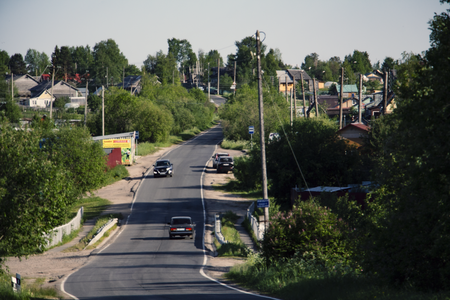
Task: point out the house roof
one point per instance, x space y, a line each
130 81
291 74
348 88
355 125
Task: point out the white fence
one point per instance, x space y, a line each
57 233
257 228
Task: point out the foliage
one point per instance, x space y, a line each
323 158
359 62
155 122
234 245
36 61
108 61
163 66
242 111
408 239
34 192
235 145
10 110
72 149
83 59
308 230
4 62
181 50
17 64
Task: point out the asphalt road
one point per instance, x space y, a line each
142 262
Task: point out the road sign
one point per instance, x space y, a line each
251 129
137 134
262 203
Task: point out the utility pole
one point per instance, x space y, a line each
360 100
123 79
385 91
51 99
12 87
316 103
303 94
261 121
291 116
209 87
106 76
295 102
86 96
234 80
218 76
286 87
103 111
341 98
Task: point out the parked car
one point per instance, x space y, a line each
162 167
215 158
225 164
181 226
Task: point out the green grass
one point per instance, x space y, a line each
235 145
234 247
115 174
307 280
31 289
98 224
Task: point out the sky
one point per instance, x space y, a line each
382 28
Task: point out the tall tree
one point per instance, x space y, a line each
82 58
164 66
108 62
181 50
36 61
359 62
4 62
17 64
408 244
388 64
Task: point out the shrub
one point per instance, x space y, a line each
309 230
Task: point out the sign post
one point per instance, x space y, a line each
15 283
251 130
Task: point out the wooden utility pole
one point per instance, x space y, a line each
107 81
12 87
341 98
385 91
303 94
103 111
234 79
286 89
51 99
86 96
360 100
316 103
292 121
261 129
218 76
295 102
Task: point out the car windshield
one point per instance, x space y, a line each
162 163
226 159
181 221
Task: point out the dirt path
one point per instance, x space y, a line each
55 265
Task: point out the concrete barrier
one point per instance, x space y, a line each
101 231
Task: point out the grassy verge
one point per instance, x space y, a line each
83 244
31 289
234 247
299 279
235 145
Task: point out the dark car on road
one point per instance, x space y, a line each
163 167
225 164
181 226
215 158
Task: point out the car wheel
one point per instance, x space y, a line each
192 236
170 236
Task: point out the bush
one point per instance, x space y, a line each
309 230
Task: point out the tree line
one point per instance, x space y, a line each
399 236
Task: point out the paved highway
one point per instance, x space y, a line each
142 262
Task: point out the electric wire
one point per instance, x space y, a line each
287 137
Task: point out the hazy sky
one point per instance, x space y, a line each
296 27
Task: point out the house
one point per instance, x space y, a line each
374 107
131 83
60 89
349 90
23 84
373 76
39 100
286 79
354 133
